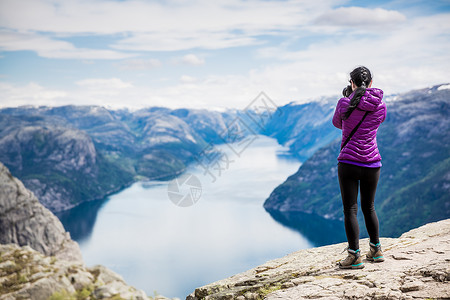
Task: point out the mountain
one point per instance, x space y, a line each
304 128
416 267
71 154
413 189
58 162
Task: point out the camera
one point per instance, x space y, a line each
347 91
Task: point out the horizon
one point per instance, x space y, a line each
387 98
196 54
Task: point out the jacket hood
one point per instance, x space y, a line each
371 99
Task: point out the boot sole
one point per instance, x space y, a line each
381 259
359 266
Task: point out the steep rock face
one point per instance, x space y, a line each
413 189
24 221
417 266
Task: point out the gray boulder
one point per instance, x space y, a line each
28 274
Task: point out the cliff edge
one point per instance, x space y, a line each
25 221
417 266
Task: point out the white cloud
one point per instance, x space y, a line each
52 48
140 64
306 64
157 26
176 40
191 59
169 26
113 93
111 17
30 94
101 83
188 79
211 92
360 16
416 54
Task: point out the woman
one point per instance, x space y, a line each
360 162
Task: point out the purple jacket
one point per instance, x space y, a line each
362 147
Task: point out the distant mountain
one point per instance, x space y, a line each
59 164
71 154
414 186
304 128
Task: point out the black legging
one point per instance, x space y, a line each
350 176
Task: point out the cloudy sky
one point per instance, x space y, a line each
214 53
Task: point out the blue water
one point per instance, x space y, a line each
158 246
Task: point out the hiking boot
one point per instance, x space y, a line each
375 254
353 260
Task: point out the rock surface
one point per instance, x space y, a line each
27 274
417 266
24 221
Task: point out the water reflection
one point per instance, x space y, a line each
316 229
80 220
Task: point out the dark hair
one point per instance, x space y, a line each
361 77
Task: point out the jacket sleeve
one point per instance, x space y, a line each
337 120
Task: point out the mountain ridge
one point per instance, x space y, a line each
121 148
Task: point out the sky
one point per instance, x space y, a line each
214 54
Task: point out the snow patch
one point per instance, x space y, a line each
444 87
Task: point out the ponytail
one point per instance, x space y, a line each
359 92
361 77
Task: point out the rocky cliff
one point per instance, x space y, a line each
38 259
417 266
24 221
28 274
